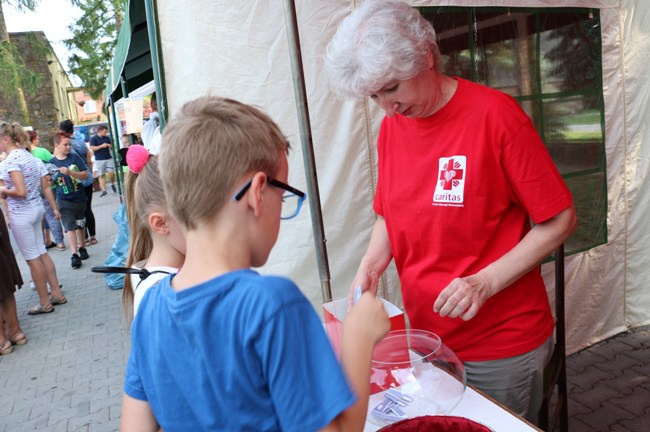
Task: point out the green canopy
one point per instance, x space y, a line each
132 58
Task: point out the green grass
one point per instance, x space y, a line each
582 136
585 117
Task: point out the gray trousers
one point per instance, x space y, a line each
516 382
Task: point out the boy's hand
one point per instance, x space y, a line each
368 281
367 319
64 170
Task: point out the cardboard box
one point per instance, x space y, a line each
334 313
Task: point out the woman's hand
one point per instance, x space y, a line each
57 213
367 280
463 297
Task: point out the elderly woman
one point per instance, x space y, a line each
462 171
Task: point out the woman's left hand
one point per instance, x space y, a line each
57 214
463 297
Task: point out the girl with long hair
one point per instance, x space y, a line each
156 242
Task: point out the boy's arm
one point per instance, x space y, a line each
365 325
137 416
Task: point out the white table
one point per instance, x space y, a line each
473 405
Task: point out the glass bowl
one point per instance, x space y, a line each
413 374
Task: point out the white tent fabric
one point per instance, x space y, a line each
225 48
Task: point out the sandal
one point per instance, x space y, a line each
41 309
60 248
18 339
92 241
6 348
58 300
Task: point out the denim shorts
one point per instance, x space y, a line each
73 214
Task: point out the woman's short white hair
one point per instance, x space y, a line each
381 41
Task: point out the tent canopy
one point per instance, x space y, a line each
132 58
219 47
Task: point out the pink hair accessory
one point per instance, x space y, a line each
137 157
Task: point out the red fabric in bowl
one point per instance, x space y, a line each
436 423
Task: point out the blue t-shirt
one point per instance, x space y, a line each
79 146
66 187
103 153
240 352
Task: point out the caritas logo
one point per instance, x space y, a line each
450 183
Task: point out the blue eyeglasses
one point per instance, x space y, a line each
292 199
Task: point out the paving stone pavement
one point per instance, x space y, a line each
69 376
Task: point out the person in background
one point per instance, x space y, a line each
151 137
257 356
79 146
35 147
70 196
461 173
101 145
156 242
51 225
126 141
10 331
23 178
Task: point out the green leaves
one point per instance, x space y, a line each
93 41
14 75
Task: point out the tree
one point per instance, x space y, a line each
93 41
14 75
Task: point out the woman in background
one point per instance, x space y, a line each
10 332
23 178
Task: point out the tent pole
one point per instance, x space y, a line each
117 139
116 131
307 148
155 48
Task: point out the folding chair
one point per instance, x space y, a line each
555 371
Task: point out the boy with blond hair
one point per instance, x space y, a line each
219 346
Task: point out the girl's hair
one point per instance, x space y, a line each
16 132
381 41
144 194
32 135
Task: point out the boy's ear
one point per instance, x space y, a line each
255 195
158 223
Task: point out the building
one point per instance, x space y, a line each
52 101
89 110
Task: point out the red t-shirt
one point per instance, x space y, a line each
457 191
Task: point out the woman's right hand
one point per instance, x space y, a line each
367 280
367 319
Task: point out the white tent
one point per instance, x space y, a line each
241 50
